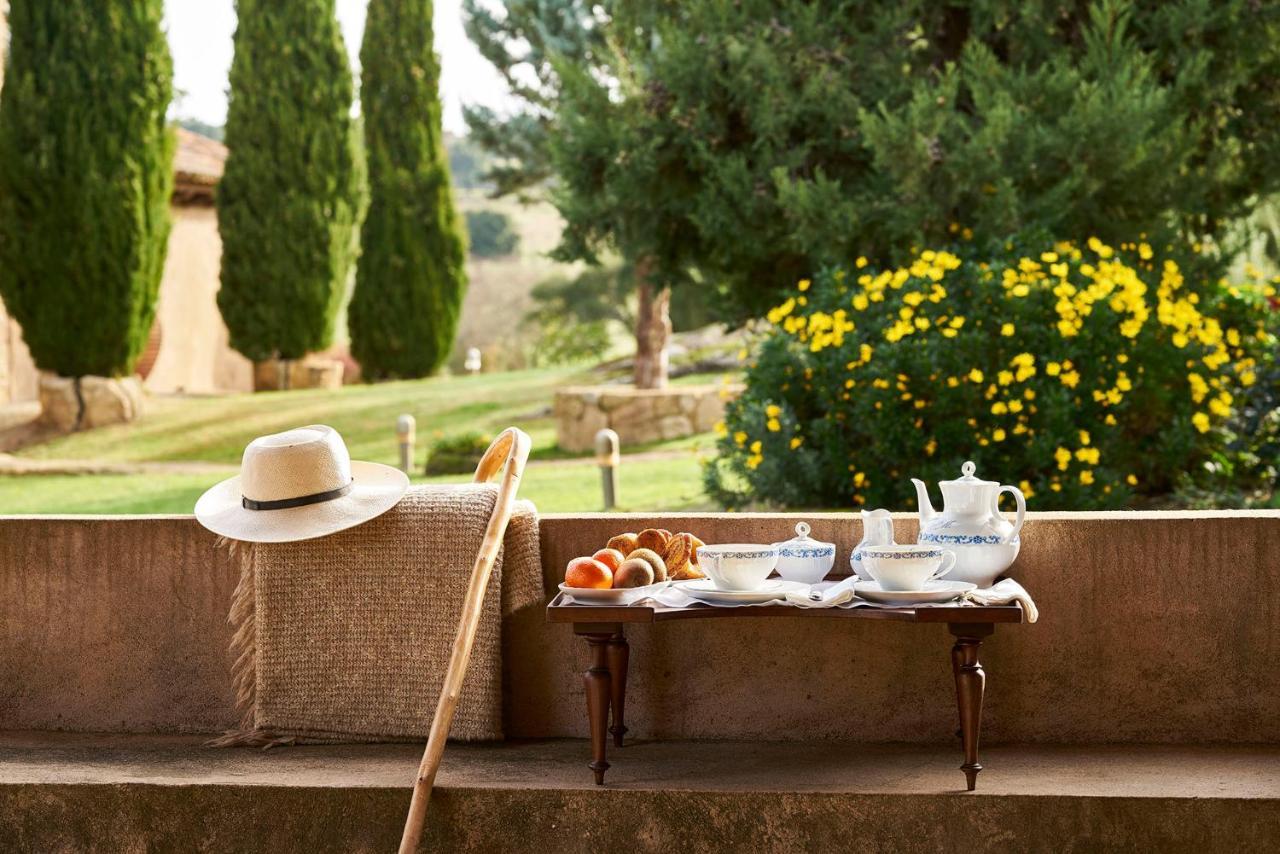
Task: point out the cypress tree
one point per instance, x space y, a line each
290 199
411 280
86 174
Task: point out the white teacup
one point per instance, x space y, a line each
738 566
907 567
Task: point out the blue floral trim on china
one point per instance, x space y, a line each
741 555
963 539
900 555
824 551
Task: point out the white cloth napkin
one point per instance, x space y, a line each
1003 593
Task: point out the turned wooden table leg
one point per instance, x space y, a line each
619 654
970 682
597 682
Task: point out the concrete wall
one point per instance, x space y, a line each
1154 628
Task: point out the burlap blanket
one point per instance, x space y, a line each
347 637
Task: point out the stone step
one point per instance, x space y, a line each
69 792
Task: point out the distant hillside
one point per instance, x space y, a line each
197 126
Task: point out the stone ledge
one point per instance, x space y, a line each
128 793
639 416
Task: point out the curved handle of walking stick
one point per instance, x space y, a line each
509 450
508 453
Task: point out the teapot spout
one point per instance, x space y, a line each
922 497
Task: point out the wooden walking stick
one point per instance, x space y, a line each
508 452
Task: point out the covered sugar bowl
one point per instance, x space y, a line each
804 559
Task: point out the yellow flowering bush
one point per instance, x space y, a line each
1087 374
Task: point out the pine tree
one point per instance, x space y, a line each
86 175
412 277
290 200
755 140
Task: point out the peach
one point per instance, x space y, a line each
588 572
611 558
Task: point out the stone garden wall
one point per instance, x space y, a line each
637 415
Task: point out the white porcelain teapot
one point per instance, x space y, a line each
972 526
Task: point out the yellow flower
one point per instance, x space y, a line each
1084 437
998 435
999 408
1086 477
1201 422
773 425
802 285
931 447
721 429
756 446
1132 480
796 442
860 263
1053 369
773 410
859 478
1004 377
1063 456
754 461
740 438
975 376
1070 379
1027 491
1015 405
1007 330
1110 420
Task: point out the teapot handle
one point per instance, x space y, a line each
1022 510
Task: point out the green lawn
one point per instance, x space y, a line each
666 476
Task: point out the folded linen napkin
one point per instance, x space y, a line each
1004 592
833 596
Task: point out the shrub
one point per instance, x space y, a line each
457 454
409 288
1086 375
490 233
289 203
86 173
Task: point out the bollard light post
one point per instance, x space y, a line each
406 430
608 457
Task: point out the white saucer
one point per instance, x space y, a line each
705 590
613 595
934 592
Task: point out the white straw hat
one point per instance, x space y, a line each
298 485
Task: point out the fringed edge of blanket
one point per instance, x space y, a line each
244 646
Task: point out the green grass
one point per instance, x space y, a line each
216 429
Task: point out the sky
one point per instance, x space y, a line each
200 40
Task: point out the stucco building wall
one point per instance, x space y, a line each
194 354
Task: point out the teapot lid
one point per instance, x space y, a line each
802 537
968 478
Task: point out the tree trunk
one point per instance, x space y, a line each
653 331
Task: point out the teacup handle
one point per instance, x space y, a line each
1022 510
948 563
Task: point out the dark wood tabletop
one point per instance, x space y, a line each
559 611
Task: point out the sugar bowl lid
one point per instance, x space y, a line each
968 478
803 540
